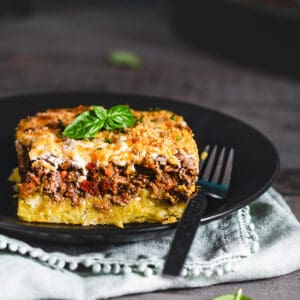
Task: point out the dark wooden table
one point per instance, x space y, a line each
64 48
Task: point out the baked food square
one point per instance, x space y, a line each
141 173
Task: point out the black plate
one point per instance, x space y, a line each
255 167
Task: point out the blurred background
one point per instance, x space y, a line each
240 57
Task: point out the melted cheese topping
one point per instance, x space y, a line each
157 133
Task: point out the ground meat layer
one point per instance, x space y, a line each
112 184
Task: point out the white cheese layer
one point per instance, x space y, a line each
53 152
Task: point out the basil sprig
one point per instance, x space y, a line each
126 59
90 122
237 296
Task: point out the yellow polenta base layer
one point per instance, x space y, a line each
40 208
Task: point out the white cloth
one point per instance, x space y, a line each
259 241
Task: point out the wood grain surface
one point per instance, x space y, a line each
60 47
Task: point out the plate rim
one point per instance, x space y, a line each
130 228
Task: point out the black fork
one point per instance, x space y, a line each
216 185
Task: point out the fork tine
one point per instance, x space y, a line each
206 149
228 168
219 166
210 164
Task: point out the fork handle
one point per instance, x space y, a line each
185 233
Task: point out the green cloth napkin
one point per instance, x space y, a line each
259 241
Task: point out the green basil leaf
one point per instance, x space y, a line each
232 297
240 296
225 297
243 297
173 118
125 59
119 116
100 112
107 140
86 125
